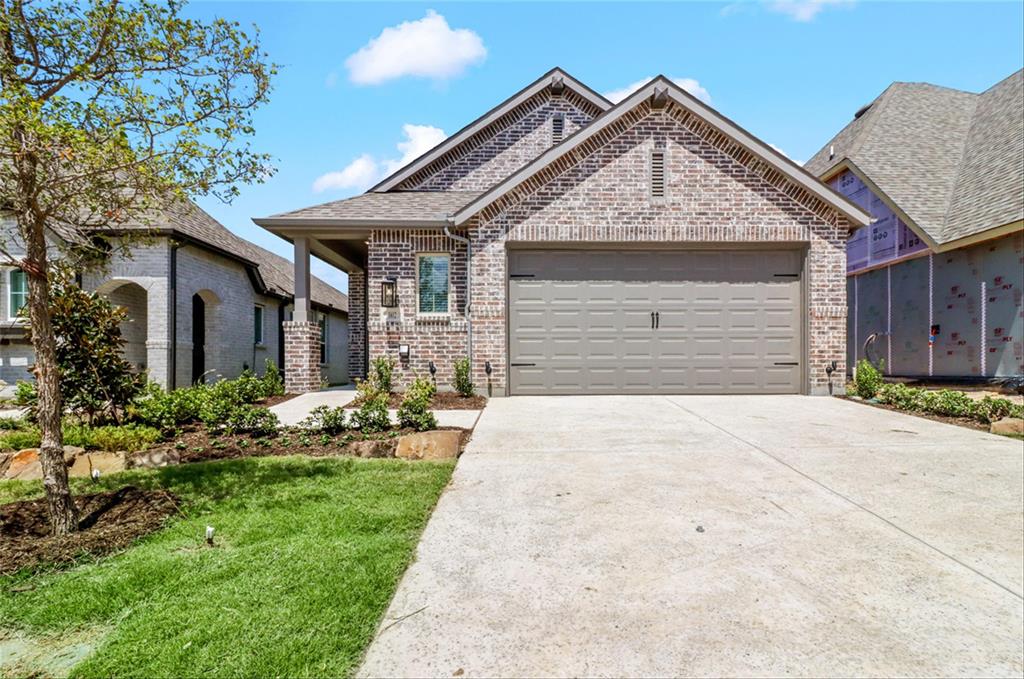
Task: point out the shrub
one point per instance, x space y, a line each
13 423
415 409
95 379
18 440
953 404
273 381
111 437
868 379
463 379
992 409
325 420
25 397
900 396
166 410
372 414
250 419
382 371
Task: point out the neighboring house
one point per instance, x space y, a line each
188 277
651 246
936 283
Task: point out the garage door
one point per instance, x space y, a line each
670 321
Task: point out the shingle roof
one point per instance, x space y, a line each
189 220
383 208
952 161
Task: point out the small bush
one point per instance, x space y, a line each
18 440
900 396
953 404
868 379
273 381
992 409
111 437
165 410
13 424
415 409
250 419
372 414
325 420
382 370
463 377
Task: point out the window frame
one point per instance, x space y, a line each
323 321
448 300
12 313
259 310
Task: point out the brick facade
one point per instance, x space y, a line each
357 325
301 357
717 192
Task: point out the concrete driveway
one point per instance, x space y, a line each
742 536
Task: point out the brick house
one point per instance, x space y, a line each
569 245
936 282
222 298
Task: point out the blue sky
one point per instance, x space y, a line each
364 85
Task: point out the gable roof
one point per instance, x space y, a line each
951 163
273 273
662 87
555 77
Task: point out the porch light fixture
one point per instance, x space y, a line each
403 352
389 293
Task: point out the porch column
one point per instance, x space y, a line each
302 300
301 334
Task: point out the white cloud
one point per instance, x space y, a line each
358 174
803 10
798 162
689 84
427 48
365 171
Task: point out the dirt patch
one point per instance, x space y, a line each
197 445
54 655
274 400
443 400
968 422
109 521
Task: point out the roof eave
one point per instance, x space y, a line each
314 222
798 174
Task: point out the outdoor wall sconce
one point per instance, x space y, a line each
403 352
389 293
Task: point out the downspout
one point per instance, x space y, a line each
280 335
172 350
469 287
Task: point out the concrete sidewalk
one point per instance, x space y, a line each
293 411
715 536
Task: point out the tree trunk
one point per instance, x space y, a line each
63 512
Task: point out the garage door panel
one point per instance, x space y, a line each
581 322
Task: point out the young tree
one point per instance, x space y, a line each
109 113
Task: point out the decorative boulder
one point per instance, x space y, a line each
429 445
371 448
1008 425
24 465
107 463
154 457
72 453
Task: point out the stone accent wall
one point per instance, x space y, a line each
503 146
717 192
301 357
357 325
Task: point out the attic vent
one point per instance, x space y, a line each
657 174
557 128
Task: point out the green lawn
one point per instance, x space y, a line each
308 554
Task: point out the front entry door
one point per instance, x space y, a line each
198 339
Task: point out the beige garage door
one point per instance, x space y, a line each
669 321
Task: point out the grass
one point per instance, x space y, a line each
308 555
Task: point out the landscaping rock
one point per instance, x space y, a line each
1008 425
71 453
371 448
429 445
154 457
107 463
24 465
5 459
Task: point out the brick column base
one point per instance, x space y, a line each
301 357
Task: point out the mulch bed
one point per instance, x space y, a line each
109 521
197 445
274 400
443 400
968 422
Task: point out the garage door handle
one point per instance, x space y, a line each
791 363
521 365
521 275
657 319
652 320
787 275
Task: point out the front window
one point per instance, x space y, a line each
257 335
322 322
433 274
17 292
